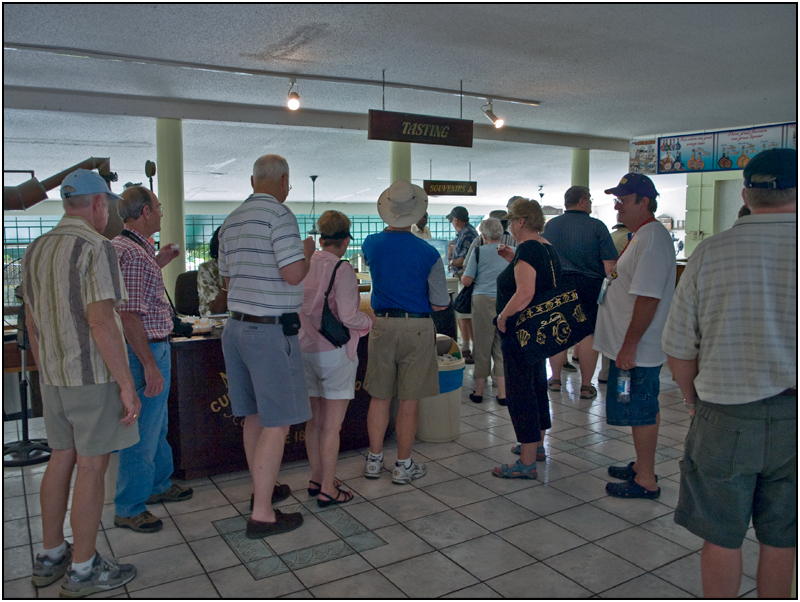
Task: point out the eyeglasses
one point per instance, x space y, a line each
624 200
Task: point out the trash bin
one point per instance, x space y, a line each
440 415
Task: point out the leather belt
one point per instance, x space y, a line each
399 313
164 340
791 392
255 319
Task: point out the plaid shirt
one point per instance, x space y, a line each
461 245
145 285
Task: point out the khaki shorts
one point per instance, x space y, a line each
402 359
86 418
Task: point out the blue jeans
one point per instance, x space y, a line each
642 409
146 468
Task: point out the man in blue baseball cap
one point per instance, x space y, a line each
731 338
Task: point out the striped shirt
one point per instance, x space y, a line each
735 310
64 271
259 238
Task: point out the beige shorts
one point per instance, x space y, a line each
402 359
86 418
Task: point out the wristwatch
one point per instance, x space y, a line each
689 405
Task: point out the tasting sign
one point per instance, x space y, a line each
450 188
421 129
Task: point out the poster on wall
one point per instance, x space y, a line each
721 151
642 157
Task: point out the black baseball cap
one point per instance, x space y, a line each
778 166
459 213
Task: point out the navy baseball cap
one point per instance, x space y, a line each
777 168
85 181
634 183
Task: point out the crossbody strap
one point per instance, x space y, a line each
333 276
128 234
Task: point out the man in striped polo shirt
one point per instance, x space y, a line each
71 281
264 261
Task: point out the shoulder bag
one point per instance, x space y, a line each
330 327
463 301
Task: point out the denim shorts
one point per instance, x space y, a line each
740 461
642 409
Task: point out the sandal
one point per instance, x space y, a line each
324 503
313 491
517 471
475 398
551 385
541 453
588 392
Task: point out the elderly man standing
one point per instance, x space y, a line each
408 284
145 469
71 282
264 261
731 338
587 255
465 234
629 326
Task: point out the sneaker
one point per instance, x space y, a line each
372 470
402 475
175 493
141 523
46 571
106 574
569 367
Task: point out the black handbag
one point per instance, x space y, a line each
463 301
552 322
337 333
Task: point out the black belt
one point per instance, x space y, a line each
256 319
164 340
399 313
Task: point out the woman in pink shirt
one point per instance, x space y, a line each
330 371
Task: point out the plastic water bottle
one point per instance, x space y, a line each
624 386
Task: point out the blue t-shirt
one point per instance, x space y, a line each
582 242
400 265
487 269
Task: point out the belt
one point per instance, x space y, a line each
399 313
256 319
792 392
164 340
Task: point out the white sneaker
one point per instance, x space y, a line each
372 470
402 475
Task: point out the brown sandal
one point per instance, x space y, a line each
588 392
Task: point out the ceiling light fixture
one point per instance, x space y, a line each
294 98
497 121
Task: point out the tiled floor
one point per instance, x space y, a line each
458 532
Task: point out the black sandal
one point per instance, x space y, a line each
324 503
314 491
475 398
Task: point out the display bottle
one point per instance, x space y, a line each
624 386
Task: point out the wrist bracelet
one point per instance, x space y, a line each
687 404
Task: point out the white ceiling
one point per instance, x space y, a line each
613 72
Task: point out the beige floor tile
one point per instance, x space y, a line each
541 538
468 464
17 563
685 574
230 476
198 588
333 570
445 528
19 588
673 431
593 567
582 486
16 507
589 522
572 433
401 544
643 548
436 474
619 450
198 525
572 460
372 489
666 527
369 515
437 451
236 583
409 505
14 487
205 497
478 440
552 470
669 492
372 581
505 431
645 586
312 532
502 486
125 542
497 513
162 566
480 591
16 533
459 492
488 556
579 417
214 553
635 511
238 490
537 580
501 454
543 500
428 576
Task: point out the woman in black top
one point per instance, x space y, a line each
534 267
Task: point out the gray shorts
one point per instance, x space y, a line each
740 461
265 374
87 418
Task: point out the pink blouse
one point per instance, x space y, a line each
343 301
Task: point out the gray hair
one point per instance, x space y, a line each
133 202
764 198
78 201
574 194
270 167
491 228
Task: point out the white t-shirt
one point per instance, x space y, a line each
647 268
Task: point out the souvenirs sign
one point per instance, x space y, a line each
422 129
450 188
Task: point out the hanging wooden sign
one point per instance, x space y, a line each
422 129
450 188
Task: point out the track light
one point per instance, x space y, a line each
498 123
294 98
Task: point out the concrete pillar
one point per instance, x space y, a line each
580 167
169 162
399 161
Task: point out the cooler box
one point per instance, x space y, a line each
440 415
